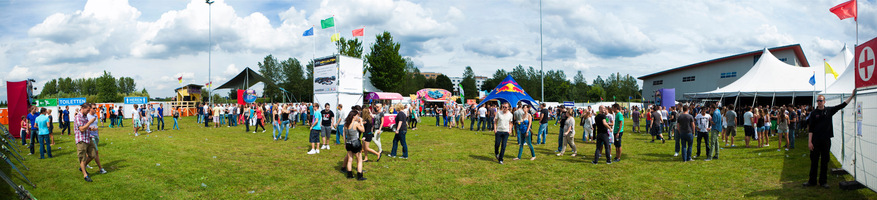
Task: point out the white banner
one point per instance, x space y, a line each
351 75
325 79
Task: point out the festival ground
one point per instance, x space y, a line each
228 163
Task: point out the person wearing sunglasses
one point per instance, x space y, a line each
819 139
501 128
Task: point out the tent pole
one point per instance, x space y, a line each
754 98
736 98
843 150
773 99
722 98
793 98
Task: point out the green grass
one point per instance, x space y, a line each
444 164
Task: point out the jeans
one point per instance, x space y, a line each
471 123
160 125
33 139
500 141
819 159
525 140
446 118
676 137
176 125
284 126
438 120
792 131
560 139
543 131
247 123
602 140
686 146
490 123
121 119
339 131
703 136
713 144
400 138
199 118
276 129
45 146
481 123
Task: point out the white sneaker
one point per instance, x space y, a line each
323 147
318 151
263 131
675 154
327 147
312 151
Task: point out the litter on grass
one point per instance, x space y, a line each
203 185
252 191
157 164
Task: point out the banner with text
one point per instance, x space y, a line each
71 101
136 100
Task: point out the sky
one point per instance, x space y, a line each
157 41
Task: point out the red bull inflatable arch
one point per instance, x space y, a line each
508 91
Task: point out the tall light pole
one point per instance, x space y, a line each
541 68
209 47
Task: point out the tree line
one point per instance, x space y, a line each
391 72
104 88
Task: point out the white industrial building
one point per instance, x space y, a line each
479 80
716 73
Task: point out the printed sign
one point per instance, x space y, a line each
71 101
569 104
859 118
865 63
47 102
136 100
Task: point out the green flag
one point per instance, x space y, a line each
328 22
47 102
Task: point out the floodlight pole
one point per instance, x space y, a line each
541 70
209 47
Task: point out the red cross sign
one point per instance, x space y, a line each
865 62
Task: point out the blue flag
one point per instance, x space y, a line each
813 79
308 32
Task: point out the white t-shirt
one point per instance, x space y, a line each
502 121
747 119
703 122
482 112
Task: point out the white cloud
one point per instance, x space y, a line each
18 73
231 70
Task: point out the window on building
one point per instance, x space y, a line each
658 82
688 79
729 74
784 59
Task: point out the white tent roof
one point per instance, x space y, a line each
770 76
845 82
367 83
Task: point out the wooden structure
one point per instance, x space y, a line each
187 98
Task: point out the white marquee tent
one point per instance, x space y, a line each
770 77
845 82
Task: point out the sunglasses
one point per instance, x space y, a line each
819 100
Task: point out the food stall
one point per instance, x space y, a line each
385 98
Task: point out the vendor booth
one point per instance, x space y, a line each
508 91
385 98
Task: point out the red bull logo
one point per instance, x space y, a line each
508 87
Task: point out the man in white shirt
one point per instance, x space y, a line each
501 129
482 118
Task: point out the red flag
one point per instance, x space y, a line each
845 10
180 79
358 32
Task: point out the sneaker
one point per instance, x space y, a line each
608 162
312 152
707 159
328 147
275 139
404 158
559 154
675 154
516 159
616 160
263 131
102 171
323 147
87 179
595 162
89 167
693 157
318 151
733 145
254 131
653 141
715 157
500 162
135 134
787 149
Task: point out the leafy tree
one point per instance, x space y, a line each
270 69
352 48
468 83
444 82
50 89
386 64
65 85
106 88
580 88
126 85
144 91
294 79
491 82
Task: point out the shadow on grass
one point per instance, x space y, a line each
658 157
483 158
114 165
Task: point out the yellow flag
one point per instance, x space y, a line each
829 70
335 37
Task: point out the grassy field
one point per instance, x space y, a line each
228 163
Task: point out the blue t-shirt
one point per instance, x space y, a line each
32 118
65 115
317 119
42 122
160 112
717 120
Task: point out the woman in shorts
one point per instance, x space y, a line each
368 125
353 145
782 130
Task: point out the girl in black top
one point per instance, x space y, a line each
368 125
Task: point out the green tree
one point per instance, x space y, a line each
493 81
107 89
385 63
557 87
413 80
444 82
50 89
65 85
126 85
294 80
352 48
270 69
579 88
144 91
468 83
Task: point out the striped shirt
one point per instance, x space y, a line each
80 121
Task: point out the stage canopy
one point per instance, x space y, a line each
771 77
244 80
509 91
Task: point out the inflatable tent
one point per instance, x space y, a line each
508 91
